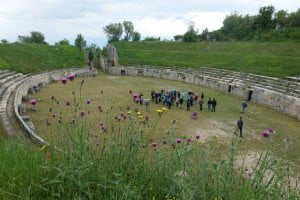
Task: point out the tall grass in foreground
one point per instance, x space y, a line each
122 161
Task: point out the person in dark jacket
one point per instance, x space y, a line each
214 104
209 102
240 125
201 104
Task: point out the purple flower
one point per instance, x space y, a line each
265 133
71 76
194 115
64 80
33 102
198 136
189 140
178 141
88 101
271 130
154 145
82 113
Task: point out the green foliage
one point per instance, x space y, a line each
136 37
80 42
63 42
273 59
27 58
151 39
91 51
128 30
113 32
35 37
264 21
4 41
191 35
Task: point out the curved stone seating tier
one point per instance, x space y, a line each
280 94
35 81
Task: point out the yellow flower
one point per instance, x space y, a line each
138 113
129 112
159 111
43 147
164 109
140 116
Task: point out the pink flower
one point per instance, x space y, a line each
265 133
137 100
189 140
82 113
154 145
88 101
198 136
178 141
33 102
64 80
194 115
71 76
271 130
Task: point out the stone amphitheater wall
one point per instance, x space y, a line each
281 102
35 80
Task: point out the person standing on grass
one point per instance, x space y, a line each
202 96
201 104
188 104
181 102
244 106
209 102
214 104
240 125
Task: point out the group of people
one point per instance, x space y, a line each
179 98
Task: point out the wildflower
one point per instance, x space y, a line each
194 115
271 130
88 101
189 140
71 76
138 113
100 108
68 103
129 112
137 100
159 112
144 145
33 102
140 116
265 133
154 145
178 141
82 113
48 123
101 124
53 115
64 80
60 120
52 97
43 147
198 136
164 109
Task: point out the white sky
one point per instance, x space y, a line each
59 19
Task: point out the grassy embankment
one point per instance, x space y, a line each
32 58
272 59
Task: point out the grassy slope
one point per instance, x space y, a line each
27 58
273 59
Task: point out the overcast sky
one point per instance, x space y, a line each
59 19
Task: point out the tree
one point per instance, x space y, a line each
281 18
128 30
113 32
264 20
294 19
191 34
136 37
4 41
178 38
151 39
91 51
35 37
80 42
63 42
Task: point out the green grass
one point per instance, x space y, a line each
32 58
272 59
219 126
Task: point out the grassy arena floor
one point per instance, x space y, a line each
218 126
